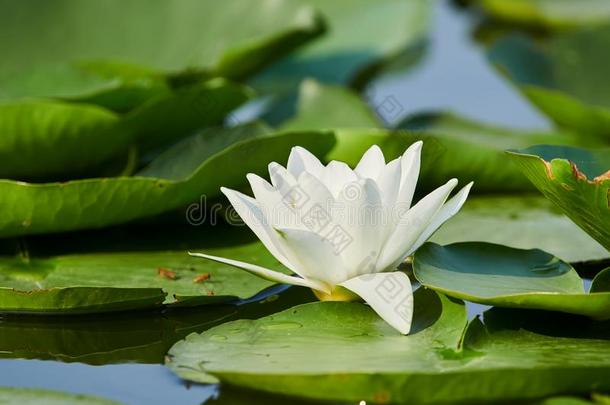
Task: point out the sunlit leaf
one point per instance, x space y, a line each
576 180
524 221
501 276
344 351
98 202
554 14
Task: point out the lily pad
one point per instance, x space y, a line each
347 50
553 14
562 75
123 280
44 139
526 221
347 54
325 106
311 347
87 59
141 337
506 277
461 149
26 396
344 352
575 180
98 202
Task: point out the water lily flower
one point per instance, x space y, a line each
344 232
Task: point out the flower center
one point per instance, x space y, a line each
337 294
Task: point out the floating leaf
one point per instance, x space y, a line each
122 280
37 396
53 139
348 54
520 221
554 14
348 50
323 106
325 339
344 351
506 277
99 202
563 76
459 148
142 337
71 40
576 180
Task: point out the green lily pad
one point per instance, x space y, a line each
312 347
140 337
458 148
347 50
553 14
26 396
123 280
44 139
323 106
562 75
344 351
85 59
526 221
506 277
575 180
347 54
98 202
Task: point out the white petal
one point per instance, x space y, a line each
301 160
445 213
388 294
411 226
371 164
315 255
281 179
314 192
409 166
264 273
250 212
359 232
275 209
389 182
337 175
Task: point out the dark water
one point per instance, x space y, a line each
453 75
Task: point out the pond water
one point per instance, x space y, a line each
453 75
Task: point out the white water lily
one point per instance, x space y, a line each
344 232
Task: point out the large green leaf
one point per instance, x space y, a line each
49 138
349 50
344 351
324 106
506 277
457 148
554 14
99 202
142 337
348 54
24 396
121 279
111 49
520 221
42 140
563 75
576 180
333 340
